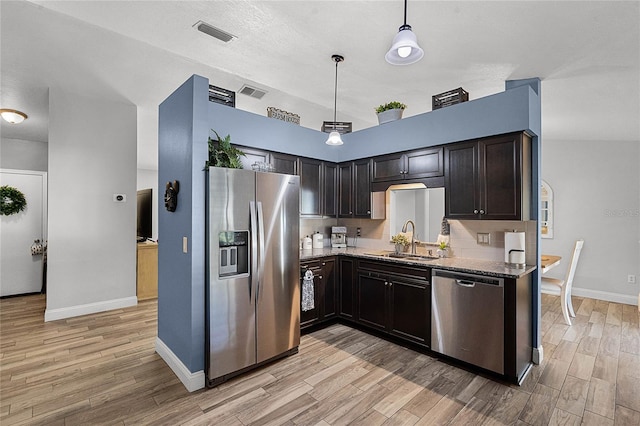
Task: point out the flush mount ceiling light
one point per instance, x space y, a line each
12 116
404 49
334 137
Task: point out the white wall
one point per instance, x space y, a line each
92 244
596 187
23 155
149 179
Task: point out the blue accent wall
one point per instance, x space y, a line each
508 111
185 120
182 152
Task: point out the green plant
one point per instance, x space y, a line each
443 245
390 105
222 153
400 239
12 201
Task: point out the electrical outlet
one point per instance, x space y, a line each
358 232
484 238
631 279
119 198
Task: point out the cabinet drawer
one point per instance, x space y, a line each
417 273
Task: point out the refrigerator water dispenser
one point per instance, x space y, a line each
233 253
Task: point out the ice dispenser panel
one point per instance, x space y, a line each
233 253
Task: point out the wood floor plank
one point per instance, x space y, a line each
103 368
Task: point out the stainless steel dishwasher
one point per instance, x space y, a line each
467 318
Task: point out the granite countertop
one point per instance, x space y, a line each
474 266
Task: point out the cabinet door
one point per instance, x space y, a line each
424 163
388 167
347 288
283 163
362 188
330 186
345 190
410 310
372 306
311 316
310 191
501 188
251 156
461 181
329 287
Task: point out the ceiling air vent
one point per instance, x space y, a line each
214 32
252 91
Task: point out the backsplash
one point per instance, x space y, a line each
463 238
375 234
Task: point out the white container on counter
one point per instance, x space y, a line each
306 243
318 240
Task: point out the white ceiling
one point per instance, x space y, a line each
586 53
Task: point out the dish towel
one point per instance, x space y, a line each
307 291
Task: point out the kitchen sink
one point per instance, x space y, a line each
406 256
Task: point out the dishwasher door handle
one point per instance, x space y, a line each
465 283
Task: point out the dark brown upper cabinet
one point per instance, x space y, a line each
419 164
354 189
488 178
282 163
317 187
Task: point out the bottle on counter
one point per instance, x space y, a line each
318 240
306 243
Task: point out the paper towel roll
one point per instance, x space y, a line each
514 246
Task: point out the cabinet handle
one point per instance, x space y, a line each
481 211
475 211
390 284
350 212
323 264
320 276
368 211
386 283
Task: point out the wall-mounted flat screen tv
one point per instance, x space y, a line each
144 222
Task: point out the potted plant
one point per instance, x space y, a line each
443 249
390 111
222 153
400 241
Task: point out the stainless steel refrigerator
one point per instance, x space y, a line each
253 289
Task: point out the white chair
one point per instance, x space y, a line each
563 287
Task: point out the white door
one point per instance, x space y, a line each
20 271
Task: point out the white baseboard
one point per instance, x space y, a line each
605 295
191 381
538 355
89 308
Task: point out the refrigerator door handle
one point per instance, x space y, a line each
260 249
254 247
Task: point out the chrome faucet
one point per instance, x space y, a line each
413 233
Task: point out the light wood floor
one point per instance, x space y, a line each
102 369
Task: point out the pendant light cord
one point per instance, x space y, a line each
335 96
405 12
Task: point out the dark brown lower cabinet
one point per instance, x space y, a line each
324 291
395 300
347 287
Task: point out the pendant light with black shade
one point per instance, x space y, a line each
404 49
334 137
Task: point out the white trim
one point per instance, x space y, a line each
627 299
89 308
191 381
537 355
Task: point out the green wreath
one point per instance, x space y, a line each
12 201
